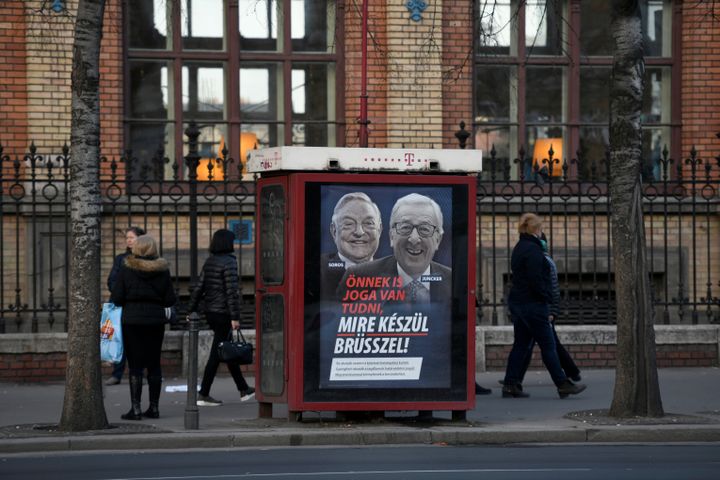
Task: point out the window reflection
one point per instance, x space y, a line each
148 22
149 95
258 24
312 28
202 24
260 94
548 106
544 27
203 90
594 94
495 26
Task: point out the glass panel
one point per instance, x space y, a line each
261 91
656 95
541 141
148 24
313 25
496 94
145 140
544 26
488 137
203 90
654 140
202 24
594 94
259 25
150 95
313 134
313 91
595 38
654 29
272 234
544 96
272 356
210 143
496 30
594 143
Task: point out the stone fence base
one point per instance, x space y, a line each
41 357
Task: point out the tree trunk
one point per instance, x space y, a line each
637 392
83 407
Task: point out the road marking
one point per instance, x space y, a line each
365 472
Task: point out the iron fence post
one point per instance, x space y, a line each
191 410
191 160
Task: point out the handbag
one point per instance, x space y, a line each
235 350
111 343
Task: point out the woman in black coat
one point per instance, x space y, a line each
144 289
219 291
529 303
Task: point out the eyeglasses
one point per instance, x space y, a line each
351 226
405 229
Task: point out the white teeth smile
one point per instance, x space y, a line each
414 252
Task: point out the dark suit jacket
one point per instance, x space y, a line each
330 276
440 291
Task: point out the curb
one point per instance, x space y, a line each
361 437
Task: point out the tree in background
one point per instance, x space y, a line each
83 407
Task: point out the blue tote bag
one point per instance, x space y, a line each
111 344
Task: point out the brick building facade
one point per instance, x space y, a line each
421 85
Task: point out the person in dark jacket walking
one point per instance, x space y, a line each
218 289
529 303
144 289
131 234
566 361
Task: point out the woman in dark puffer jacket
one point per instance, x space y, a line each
219 291
143 288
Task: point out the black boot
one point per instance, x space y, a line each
569 388
154 388
135 413
513 391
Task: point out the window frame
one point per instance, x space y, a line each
233 58
572 61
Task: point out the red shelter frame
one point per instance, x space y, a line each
282 216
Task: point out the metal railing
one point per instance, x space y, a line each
681 206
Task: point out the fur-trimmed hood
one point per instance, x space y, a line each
146 265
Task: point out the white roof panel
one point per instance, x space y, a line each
333 159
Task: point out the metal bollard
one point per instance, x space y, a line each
191 409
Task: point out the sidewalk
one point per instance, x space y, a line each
691 400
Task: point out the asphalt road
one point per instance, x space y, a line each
601 462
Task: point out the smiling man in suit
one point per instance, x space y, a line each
355 228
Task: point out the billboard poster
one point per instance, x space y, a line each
385 289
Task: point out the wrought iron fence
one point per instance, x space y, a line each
164 196
682 225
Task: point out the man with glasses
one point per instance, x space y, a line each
415 235
355 228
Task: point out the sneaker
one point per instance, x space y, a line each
246 395
208 401
112 381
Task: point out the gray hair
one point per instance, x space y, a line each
349 197
417 198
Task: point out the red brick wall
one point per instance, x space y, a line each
13 72
457 70
111 83
603 356
46 367
701 78
377 72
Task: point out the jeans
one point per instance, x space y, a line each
531 324
566 362
221 326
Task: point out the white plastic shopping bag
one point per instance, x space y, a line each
111 344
